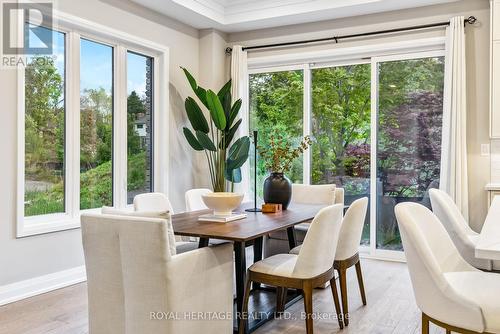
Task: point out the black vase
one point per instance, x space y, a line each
278 190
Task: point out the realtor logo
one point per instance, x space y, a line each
24 29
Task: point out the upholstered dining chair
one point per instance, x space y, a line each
449 291
347 254
461 234
148 202
312 267
322 194
194 201
134 281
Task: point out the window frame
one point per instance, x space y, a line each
370 54
74 29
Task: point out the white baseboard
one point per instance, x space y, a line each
31 287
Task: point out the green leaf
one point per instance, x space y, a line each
192 139
205 141
224 90
202 95
236 163
240 148
195 115
191 79
199 91
216 110
230 134
234 111
233 175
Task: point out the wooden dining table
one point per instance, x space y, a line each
488 244
242 233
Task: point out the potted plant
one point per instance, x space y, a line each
278 158
216 138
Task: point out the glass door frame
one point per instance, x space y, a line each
370 251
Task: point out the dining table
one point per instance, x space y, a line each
249 231
488 243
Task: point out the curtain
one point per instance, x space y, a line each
239 90
453 177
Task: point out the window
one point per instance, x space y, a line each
83 108
96 125
409 112
44 129
139 113
376 126
340 126
276 100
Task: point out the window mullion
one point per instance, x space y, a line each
120 127
306 175
72 130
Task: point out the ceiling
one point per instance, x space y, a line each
241 15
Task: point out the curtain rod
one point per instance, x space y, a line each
470 20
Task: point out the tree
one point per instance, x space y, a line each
135 106
44 117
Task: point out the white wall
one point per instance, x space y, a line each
477 68
34 256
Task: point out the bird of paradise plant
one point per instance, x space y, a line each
225 156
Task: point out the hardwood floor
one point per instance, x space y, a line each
391 308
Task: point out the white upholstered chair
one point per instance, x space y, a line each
347 254
132 277
323 194
148 202
463 236
312 267
194 201
449 291
152 202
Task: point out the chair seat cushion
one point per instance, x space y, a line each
278 265
481 289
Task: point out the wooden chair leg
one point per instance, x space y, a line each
343 293
338 310
425 324
448 331
280 299
308 308
244 310
360 282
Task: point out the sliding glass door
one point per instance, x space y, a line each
376 127
408 155
340 126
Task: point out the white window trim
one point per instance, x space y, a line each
369 54
75 27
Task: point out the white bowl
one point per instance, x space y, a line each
222 203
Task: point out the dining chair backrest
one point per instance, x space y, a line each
320 243
430 253
449 214
119 250
194 201
351 229
152 202
462 235
326 194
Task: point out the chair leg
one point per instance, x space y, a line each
448 331
425 324
280 299
360 282
338 310
244 310
308 308
343 293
